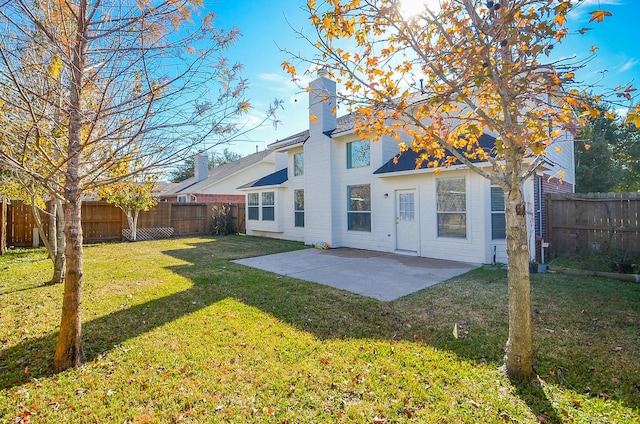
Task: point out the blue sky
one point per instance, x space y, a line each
265 30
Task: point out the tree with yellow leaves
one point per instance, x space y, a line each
440 79
86 85
132 195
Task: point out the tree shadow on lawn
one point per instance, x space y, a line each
323 311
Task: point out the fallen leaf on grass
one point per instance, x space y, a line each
378 420
544 418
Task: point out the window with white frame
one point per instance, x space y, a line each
183 198
358 153
498 223
359 207
298 207
253 206
261 206
452 207
298 164
268 206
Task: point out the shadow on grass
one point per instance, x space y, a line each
531 392
32 358
325 312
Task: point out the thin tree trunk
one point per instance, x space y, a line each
132 220
69 352
43 235
518 360
53 228
3 224
59 265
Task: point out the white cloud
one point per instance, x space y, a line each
629 64
601 2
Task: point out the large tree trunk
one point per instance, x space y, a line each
69 352
518 360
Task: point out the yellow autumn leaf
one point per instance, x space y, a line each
634 118
599 15
560 19
54 67
313 118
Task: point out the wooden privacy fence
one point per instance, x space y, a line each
104 222
579 222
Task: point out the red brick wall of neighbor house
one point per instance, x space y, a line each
220 198
546 184
209 198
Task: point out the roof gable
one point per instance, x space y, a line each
217 174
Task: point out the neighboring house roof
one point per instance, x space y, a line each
343 123
163 187
275 178
216 174
406 161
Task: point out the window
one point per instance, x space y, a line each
498 223
358 154
298 207
298 164
253 205
452 207
406 207
268 206
359 208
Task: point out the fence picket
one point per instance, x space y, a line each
102 221
602 221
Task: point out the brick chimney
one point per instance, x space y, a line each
200 166
322 103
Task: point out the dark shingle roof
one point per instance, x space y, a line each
275 178
343 123
407 160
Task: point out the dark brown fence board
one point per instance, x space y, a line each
104 222
101 222
580 222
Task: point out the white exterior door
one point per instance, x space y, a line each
407 233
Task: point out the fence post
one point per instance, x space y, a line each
549 226
3 230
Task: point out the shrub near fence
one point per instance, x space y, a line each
103 222
578 223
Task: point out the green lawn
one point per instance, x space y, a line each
175 332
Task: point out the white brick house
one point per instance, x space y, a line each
329 186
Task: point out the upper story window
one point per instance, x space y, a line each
452 207
358 153
298 164
498 223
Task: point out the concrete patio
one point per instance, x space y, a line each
380 275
